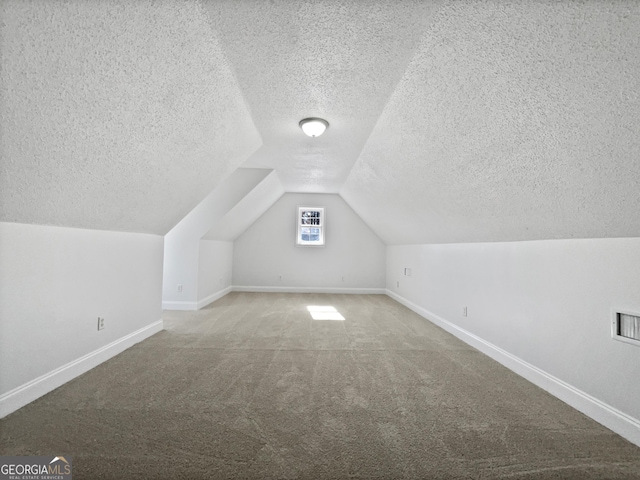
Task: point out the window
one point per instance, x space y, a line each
310 229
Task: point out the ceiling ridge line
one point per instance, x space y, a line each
401 77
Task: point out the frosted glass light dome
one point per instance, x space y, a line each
314 127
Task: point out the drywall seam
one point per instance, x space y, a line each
617 421
357 291
30 391
212 298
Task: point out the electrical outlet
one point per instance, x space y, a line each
179 288
464 312
398 284
342 278
280 277
100 323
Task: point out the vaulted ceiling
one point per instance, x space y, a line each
450 121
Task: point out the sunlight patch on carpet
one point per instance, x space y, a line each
324 312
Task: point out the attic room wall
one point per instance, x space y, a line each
56 282
545 303
214 270
182 243
352 260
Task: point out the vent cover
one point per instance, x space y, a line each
626 327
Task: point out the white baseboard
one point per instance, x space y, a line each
183 305
30 391
179 305
212 298
357 291
617 421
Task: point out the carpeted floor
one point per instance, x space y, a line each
251 387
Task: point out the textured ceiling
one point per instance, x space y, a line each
116 115
450 121
513 121
338 60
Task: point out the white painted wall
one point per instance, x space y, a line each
546 303
182 243
214 270
247 210
180 268
56 282
267 250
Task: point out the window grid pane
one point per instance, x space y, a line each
310 217
310 226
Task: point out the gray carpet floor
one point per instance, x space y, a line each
251 387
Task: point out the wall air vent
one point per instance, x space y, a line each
626 327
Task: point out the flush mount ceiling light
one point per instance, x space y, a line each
314 127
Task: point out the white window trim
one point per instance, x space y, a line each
299 226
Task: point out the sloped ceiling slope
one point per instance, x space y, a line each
251 207
335 59
116 115
514 121
450 121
